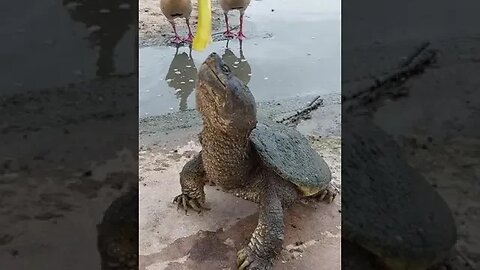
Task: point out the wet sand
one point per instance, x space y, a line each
438 135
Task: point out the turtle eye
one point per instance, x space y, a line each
225 69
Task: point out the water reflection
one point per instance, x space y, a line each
181 76
107 22
239 65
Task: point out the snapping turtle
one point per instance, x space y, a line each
117 239
389 209
267 163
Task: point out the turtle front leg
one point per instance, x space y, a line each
267 239
192 180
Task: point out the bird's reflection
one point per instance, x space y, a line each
107 22
240 66
181 76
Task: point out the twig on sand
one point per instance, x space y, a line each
390 85
415 54
302 114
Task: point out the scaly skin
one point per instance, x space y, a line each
229 160
118 234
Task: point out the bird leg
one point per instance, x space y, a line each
189 38
176 39
240 34
227 33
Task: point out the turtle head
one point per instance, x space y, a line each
224 101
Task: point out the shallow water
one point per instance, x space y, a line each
82 50
292 49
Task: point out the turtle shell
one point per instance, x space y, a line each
290 155
117 239
389 208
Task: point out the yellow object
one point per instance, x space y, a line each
203 35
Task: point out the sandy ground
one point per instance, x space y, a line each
51 213
153 25
442 141
171 240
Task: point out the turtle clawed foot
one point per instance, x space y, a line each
248 260
185 202
328 194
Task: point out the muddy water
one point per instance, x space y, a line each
292 49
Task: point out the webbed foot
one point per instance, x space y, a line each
228 34
328 194
189 38
184 201
247 259
177 40
240 35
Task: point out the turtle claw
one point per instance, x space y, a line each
185 202
211 183
248 260
328 194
